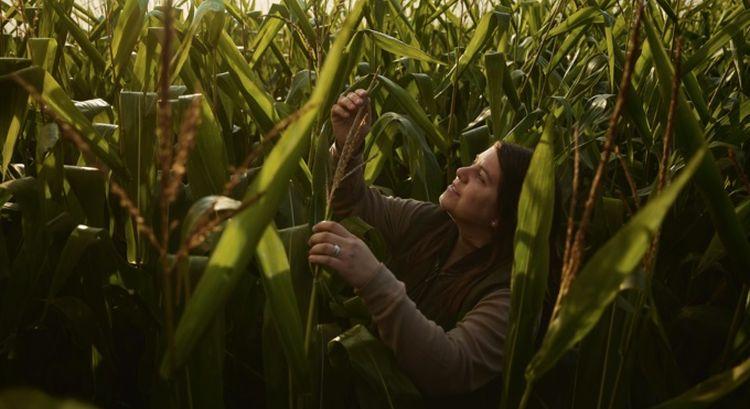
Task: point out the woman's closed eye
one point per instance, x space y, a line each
479 173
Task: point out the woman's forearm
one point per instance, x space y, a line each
438 362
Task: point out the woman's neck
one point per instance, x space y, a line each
468 241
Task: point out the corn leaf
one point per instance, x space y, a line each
128 29
58 101
376 366
485 29
79 35
260 103
494 65
12 113
412 107
207 165
530 263
206 9
397 47
689 138
243 232
597 284
583 17
277 283
738 23
266 34
42 52
706 393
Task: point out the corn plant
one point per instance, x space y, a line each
162 162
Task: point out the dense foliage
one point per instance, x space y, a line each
161 168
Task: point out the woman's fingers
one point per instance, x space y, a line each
340 112
333 227
325 237
327 261
324 249
352 100
355 98
347 103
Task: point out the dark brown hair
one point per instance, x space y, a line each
514 163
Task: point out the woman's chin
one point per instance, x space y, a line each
445 201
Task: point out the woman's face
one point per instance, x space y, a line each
472 197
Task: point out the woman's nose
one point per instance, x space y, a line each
461 173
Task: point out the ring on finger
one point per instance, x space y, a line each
336 250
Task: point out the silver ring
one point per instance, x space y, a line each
336 250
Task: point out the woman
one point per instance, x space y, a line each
442 300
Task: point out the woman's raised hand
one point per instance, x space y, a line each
343 113
353 260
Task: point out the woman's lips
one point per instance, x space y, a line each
453 189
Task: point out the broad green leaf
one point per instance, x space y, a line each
375 366
79 35
715 249
266 34
207 163
206 367
530 263
128 29
89 186
598 282
24 187
299 13
244 231
275 367
418 115
146 61
260 103
689 138
138 151
520 134
494 65
425 171
571 40
92 107
738 23
706 393
42 52
423 167
479 40
13 108
379 145
277 283
667 9
78 242
58 101
473 142
206 9
583 17
397 47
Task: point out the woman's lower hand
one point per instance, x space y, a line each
353 260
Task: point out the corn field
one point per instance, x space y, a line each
162 165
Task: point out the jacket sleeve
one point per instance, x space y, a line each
439 362
391 216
